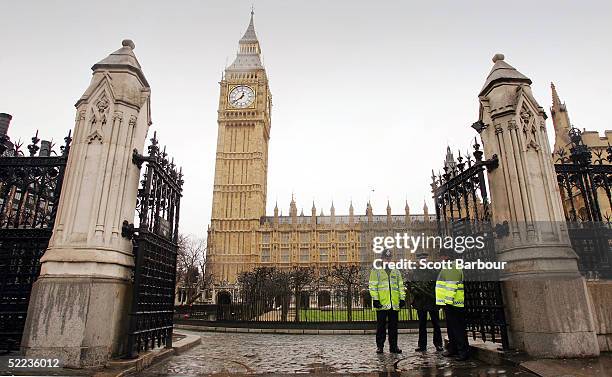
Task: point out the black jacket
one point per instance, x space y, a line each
422 288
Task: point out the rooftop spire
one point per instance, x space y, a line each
555 95
557 105
248 57
249 34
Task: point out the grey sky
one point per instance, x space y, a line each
366 93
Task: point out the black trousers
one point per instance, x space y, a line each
435 321
455 325
382 316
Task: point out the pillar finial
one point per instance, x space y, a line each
498 57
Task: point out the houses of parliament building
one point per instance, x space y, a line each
241 236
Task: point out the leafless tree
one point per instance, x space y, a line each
348 278
281 287
257 290
299 278
190 266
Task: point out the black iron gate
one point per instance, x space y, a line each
29 195
155 250
586 193
462 208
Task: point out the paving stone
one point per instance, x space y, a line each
281 354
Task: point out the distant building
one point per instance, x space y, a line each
599 147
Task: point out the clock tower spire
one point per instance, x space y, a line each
241 166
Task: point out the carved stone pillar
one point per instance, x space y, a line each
79 304
546 300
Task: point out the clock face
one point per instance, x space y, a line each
241 96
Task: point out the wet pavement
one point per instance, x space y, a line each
234 354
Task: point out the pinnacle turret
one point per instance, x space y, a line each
502 72
561 120
123 58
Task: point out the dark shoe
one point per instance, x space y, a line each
395 350
439 348
420 349
448 354
379 350
462 357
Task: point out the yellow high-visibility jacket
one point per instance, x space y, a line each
449 287
387 288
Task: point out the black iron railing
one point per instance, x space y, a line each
155 251
463 208
586 192
323 306
29 196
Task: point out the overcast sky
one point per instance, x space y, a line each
367 94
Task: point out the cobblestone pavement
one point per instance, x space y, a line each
226 354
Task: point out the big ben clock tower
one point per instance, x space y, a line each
241 167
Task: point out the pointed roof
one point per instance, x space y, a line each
557 105
249 35
555 95
248 57
502 71
122 58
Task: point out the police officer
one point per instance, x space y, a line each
423 296
388 296
450 295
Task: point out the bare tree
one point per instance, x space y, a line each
257 290
281 287
299 278
190 266
348 278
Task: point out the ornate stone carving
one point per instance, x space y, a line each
98 121
118 115
529 129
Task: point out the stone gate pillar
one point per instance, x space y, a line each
79 305
547 304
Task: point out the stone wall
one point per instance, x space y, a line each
600 293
